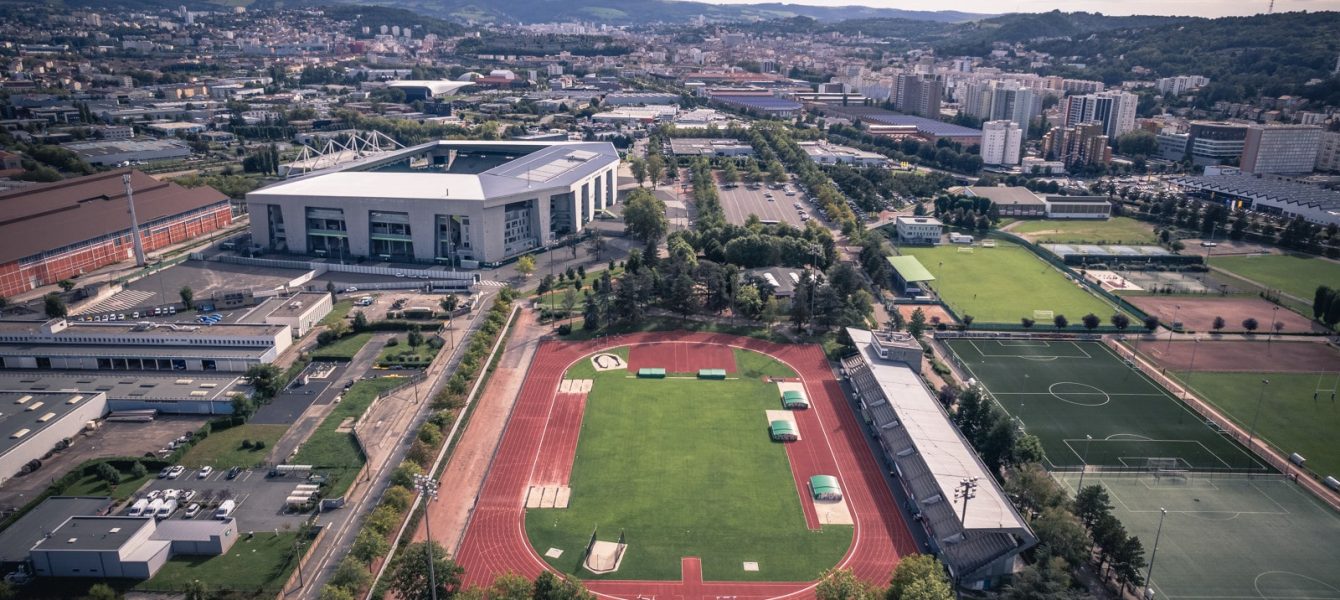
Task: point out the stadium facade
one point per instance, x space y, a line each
452 202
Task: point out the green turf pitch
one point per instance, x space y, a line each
685 467
1229 537
1297 275
1004 284
1063 391
1117 230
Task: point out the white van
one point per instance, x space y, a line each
153 508
167 509
225 509
137 509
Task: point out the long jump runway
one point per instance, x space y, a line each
495 541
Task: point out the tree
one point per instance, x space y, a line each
1063 534
409 572
1151 323
187 296
919 577
1033 489
415 338
1027 449
967 321
334 592
66 284
644 216
1120 321
138 470
1137 143
1049 579
369 544
655 169
549 586
525 265
1218 324
360 321
1027 323
1129 558
108 473
195 590
351 574
449 303
842 584
748 303
1323 298
54 306
569 301
639 169
1060 322
917 323
1332 315
1091 503
682 298
1250 324
1091 321
510 586
101 591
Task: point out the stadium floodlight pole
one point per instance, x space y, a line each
1163 512
967 490
427 487
1270 335
1173 325
1084 464
1251 435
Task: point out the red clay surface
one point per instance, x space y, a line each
1197 314
558 448
681 357
934 313
1278 356
495 541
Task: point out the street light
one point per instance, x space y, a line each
967 490
1084 463
1274 320
1163 512
427 487
1173 325
1191 369
1251 436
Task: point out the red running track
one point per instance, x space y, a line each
558 449
495 541
681 357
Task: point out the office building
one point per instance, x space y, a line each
32 423
464 202
1206 142
1115 110
919 230
918 95
64 229
825 153
300 312
1328 151
1001 142
126 346
115 152
110 547
1280 148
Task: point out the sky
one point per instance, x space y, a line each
1199 8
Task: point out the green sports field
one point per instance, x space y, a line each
1229 536
1004 284
1063 391
686 468
1117 230
1295 275
1292 419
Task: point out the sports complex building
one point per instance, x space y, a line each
454 202
931 461
64 229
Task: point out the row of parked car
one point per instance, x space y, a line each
209 319
168 501
157 312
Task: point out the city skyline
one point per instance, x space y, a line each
1197 8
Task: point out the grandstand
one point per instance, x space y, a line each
931 460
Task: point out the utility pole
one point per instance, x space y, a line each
1251 436
134 223
1155 552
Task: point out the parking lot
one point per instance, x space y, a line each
260 500
740 202
207 279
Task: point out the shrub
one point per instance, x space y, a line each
398 498
246 444
383 520
404 475
393 342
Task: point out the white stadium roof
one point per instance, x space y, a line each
438 87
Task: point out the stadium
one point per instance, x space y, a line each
450 202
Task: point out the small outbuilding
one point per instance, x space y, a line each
825 487
794 399
784 431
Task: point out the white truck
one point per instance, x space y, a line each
225 509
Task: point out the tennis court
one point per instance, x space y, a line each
1088 406
1228 536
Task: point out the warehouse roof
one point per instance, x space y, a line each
910 269
94 533
1003 195
136 385
25 413
437 87
31 528
45 217
1252 186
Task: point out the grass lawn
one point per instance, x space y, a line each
403 354
1290 419
344 349
250 565
1297 275
686 468
223 449
91 485
1004 284
1117 230
338 312
331 449
583 369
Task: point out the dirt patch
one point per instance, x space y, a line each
1197 314
934 313
1247 356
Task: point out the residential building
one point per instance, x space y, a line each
918 95
1280 149
1078 146
1001 142
1176 86
1114 109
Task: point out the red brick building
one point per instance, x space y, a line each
64 229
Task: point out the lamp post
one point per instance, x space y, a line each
1084 463
1163 512
1191 369
427 488
1173 326
967 490
1270 335
1251 435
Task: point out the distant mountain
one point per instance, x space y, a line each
975 38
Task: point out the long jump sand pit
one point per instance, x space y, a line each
1278 356
1197 314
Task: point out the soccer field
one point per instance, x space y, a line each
1065 392
1295 275
685 467
1004 284
1229 537
1117 230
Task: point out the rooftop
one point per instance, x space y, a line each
147 330
870 114
1252 186
1004 195
25 413
134 385
910 269
94 533
105 147
23 534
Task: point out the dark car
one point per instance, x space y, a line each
234 472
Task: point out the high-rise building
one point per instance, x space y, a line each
1215 142
1181 84
918 95
1018 105
1114 109
1328 152
1280 148
1079 146
1001 142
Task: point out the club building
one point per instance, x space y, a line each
461 202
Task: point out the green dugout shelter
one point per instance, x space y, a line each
650 373
784 431
909 275
825 487
794 399
711 373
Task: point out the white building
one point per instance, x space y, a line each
33 422
825 153
301 312
919 230
1328 151
1001 142
1077 207
128 346
1181 84
1280 148
126 547
445 201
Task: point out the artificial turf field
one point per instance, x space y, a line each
1229 537
1297 275
1117 230
1004 284
685 467
1063 391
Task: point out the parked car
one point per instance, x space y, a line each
234 472
204 472
186 495
191 511
176 472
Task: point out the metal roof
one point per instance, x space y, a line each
824 484
94 533
781 426
1254 187
135 385
31 528
24 413
910 269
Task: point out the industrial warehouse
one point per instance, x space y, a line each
454 202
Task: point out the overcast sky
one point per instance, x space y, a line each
1201 8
